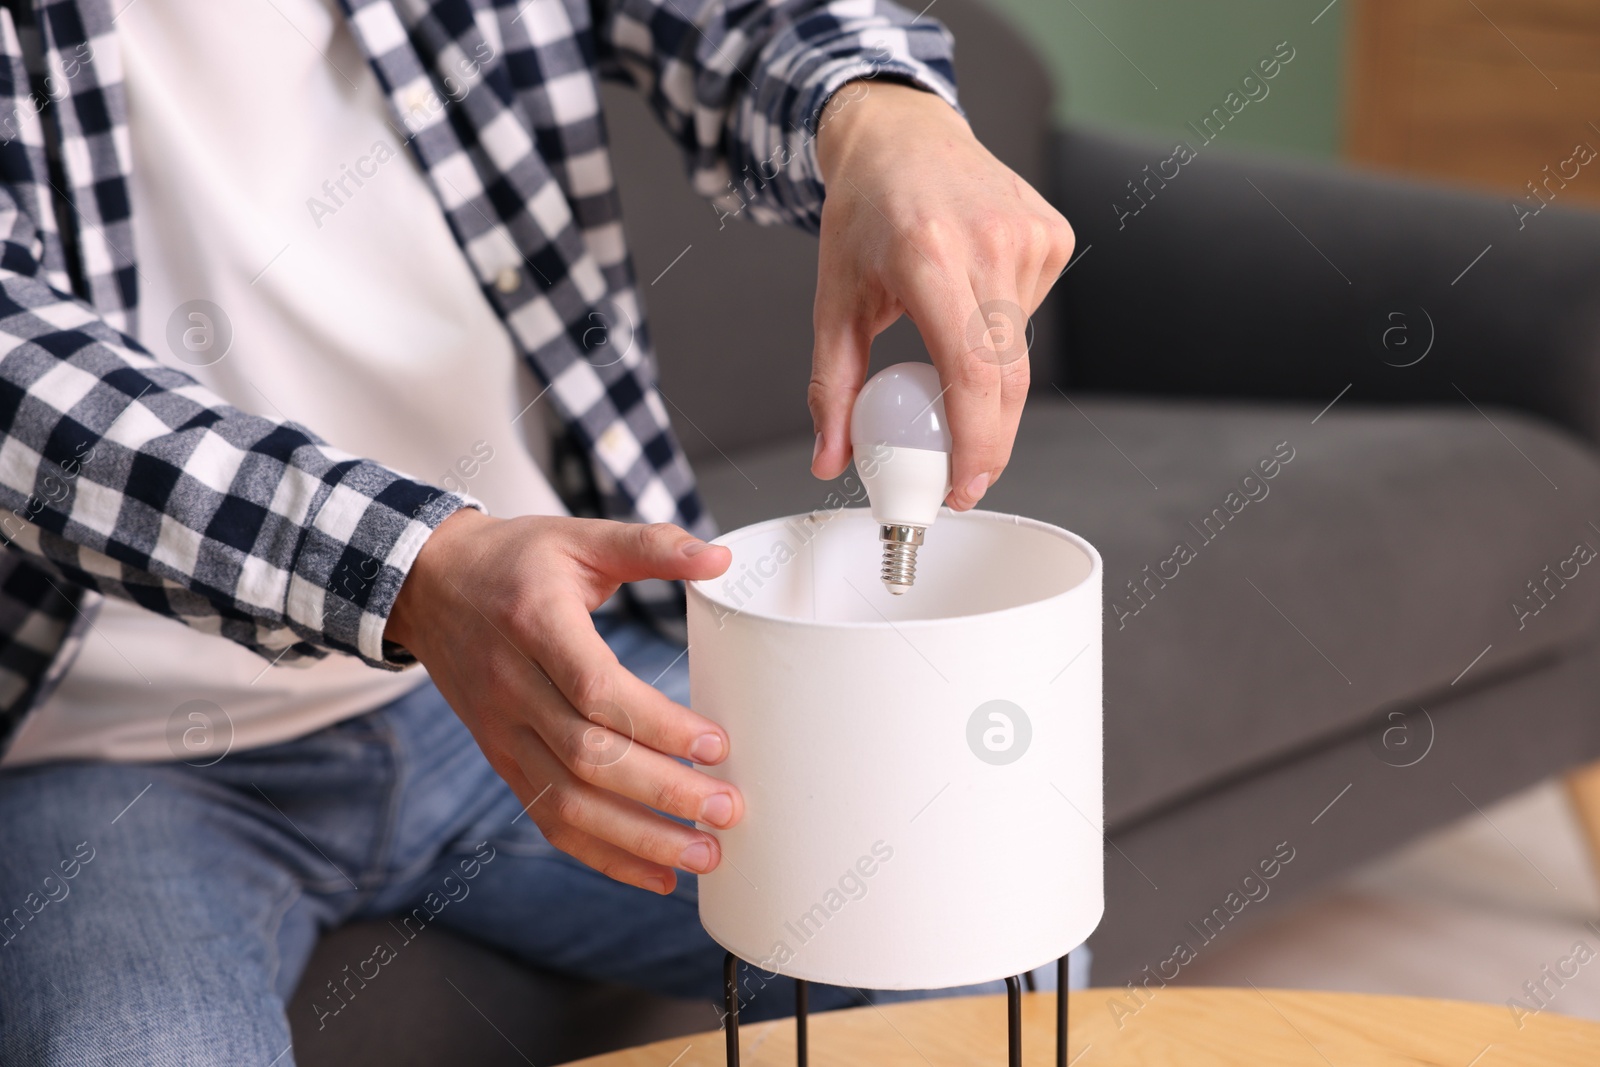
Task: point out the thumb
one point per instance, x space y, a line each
630 552
839 359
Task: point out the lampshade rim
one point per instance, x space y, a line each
832 976
1086 586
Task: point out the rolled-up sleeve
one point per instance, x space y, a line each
741 84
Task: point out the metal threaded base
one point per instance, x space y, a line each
899 556
899 567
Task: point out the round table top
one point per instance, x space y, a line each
1193 1027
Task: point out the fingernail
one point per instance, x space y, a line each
697 858
707 748
978 486
816 449
655 885
717 809
694 548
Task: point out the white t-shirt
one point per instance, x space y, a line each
268 181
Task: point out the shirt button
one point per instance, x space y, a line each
417 99
508 281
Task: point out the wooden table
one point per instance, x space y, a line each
1175 1028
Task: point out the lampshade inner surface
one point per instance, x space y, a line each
823 568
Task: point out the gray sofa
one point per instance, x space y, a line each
1334 667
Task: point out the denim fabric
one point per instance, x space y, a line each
163 913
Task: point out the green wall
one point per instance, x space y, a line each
1195 52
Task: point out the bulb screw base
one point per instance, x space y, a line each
900 544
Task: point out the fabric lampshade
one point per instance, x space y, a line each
922 773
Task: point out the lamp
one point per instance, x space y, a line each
922 774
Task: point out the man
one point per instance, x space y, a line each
392 222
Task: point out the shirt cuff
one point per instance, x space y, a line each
836 76
773 154
358 548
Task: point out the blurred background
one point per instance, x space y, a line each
1479 93
1483 95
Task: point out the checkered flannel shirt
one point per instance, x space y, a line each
123 477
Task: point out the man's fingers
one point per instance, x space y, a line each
572 805
630 552
953 327
839 355
1001 341
641 773
603 856
609 696
635 829
1060 244
619 733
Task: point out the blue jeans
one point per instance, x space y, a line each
160 913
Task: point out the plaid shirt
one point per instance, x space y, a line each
123 477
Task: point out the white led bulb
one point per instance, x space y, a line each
902 451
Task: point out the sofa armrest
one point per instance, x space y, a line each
1233 275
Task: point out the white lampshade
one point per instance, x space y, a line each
921 773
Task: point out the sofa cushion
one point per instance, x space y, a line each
1274 579
450 1000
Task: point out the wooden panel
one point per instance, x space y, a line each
1485 92
1173 1028
1583 790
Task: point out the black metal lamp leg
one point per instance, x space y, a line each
1061 1012
802 1006
1014 1021
730 1004
730 1000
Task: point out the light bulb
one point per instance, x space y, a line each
902 451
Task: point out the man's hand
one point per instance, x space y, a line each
498 611
920 219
